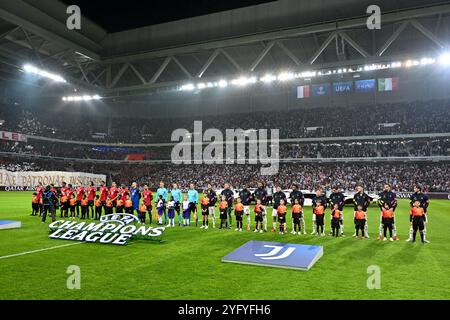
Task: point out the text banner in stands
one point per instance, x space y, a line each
32 178
12 136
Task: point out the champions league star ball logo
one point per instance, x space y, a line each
119 218
115 229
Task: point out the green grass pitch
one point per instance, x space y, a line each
187 265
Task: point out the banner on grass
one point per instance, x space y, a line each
342 87
320 90
32 178
367 85
12 136
117 228
276 254
303 92
388 84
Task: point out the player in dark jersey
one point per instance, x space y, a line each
337 198
296 194
277 197
229 197
424 202
390 198
212 196
362 199
260 193
246 198
318 199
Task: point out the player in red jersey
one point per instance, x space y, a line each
103 194
114 194
64 210
69 191
124 193
40 191
147 196
80 193
91 190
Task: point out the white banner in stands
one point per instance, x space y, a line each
32 178
12 136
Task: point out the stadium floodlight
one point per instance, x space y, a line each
427 61
268 78
243 81
285 76
444 59
307 74
222 83
45 74
188 87
81 98
411 63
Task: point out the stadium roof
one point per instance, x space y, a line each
116 16
271 36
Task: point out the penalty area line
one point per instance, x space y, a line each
39 250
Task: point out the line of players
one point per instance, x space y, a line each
84 202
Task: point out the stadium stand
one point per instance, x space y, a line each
402 176
336 122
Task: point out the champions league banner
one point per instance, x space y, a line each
342 87
320 90
29 179
365 85
118 229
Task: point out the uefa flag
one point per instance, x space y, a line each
388 84
303 92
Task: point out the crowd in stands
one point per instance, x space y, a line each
387 148
391 119
9 165
402 176
380 119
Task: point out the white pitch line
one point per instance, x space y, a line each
39 250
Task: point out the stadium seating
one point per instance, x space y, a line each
403 118
402 176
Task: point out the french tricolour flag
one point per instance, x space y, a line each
303 92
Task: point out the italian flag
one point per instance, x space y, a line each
303 92
388 84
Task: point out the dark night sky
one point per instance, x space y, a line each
122 15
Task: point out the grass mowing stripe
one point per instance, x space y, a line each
39 250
